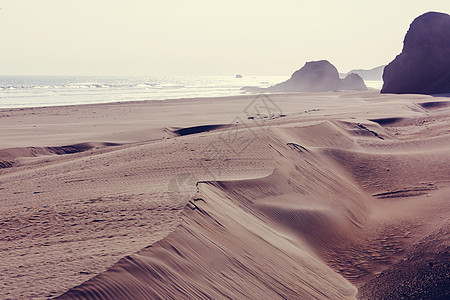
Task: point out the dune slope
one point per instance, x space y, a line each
329 220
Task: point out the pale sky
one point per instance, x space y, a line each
199 37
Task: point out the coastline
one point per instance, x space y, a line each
41 91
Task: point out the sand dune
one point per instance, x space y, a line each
335 196
10 155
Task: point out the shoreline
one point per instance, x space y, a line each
130 102
242 94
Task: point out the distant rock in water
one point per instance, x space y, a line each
423 67
317 76
371 74
238 76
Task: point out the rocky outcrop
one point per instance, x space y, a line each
319 76
353 82
423 66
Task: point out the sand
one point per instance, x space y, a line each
340 195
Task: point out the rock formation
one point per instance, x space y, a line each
353 82
319 76
423 66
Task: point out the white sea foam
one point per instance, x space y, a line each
35 91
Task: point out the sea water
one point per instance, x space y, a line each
38 91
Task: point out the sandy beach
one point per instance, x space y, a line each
337 195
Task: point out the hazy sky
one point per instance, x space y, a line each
178 37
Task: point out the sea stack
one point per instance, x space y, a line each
319 76
423 66
353 82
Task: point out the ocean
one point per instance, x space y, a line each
39 91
